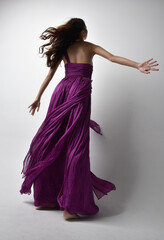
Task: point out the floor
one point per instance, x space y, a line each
115 221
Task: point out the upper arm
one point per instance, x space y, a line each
102 52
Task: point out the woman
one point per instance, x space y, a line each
58 162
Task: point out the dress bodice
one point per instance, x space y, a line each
78 69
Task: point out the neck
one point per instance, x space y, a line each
79 40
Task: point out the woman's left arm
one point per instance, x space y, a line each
144 67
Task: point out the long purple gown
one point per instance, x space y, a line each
58 161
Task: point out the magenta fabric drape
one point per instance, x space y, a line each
58 160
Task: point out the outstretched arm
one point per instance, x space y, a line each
143 67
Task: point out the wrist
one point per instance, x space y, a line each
137 65
38 98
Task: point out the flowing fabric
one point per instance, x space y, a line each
58 161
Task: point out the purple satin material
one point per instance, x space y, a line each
58 161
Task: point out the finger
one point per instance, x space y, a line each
152 65
153 62
33 111
146 71
147 61
150 60
38 106
154 69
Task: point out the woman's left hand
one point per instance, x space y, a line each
146 66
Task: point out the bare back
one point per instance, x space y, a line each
80 52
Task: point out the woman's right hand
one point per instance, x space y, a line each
34 105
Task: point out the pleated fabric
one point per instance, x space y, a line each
57 163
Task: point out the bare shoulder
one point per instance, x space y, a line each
90 46
97 49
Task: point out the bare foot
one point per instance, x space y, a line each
68 216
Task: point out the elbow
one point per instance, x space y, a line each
112 58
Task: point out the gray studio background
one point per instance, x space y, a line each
126 103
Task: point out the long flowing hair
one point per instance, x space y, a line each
60 38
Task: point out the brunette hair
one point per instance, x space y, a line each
60 38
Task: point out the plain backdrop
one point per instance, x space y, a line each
126 103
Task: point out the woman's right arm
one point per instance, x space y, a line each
36 103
